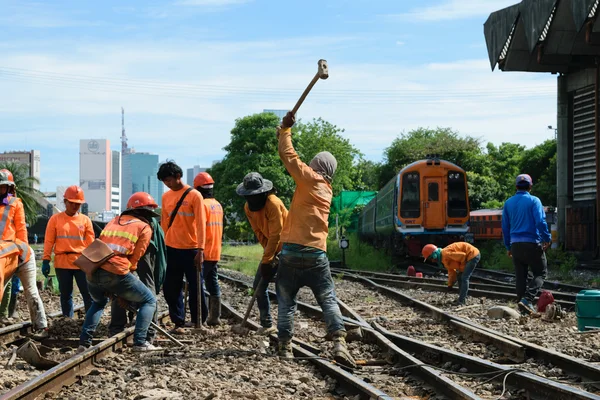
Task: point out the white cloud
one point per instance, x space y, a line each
182 98
400 43
454 9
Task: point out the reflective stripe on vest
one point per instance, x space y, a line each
4 217
25 249
71 237
12 247
121 234
121 237
184 214
216 223
120 249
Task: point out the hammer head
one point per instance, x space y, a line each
323 69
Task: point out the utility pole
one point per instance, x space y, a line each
124 148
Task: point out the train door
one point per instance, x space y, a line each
434 217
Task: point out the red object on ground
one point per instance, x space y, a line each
410 271
419 274
545 298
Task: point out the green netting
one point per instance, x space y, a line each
347 206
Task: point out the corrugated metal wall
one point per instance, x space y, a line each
584 164
581 234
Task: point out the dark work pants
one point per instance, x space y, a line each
180 263
525 256
65 285
118 315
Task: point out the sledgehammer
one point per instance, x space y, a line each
322 73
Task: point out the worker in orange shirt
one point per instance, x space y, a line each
266 214
204 183
184 222
67 235
303 260
460 259
15 254
128 235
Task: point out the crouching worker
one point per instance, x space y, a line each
303 260
460 259
151 268
266 214
128 235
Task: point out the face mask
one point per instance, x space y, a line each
256 202
207 193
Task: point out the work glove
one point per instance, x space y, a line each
288 121
266 271
46 268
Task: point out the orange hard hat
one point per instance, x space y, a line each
141 199
428 250
202 179
6 177
74 194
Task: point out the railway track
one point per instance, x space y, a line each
18 332
516 349
429 354
495 291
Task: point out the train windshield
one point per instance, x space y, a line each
457 195
410 206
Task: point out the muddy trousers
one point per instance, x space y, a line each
529 255
27 274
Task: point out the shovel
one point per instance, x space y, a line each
241 329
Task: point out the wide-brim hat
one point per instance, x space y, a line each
7 182
149 209
253 184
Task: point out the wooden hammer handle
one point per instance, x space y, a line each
306 91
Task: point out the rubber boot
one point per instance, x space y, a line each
341 355
284 349
214 311
12 306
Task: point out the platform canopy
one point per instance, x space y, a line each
544 36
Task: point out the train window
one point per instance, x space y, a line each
433 192
457 195
410 204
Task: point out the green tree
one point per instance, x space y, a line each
253 147
505 165
540 163
25 190
416 144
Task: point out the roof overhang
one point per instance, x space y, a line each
544 36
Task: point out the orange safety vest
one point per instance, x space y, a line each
214 230
6 219
121 235
9 261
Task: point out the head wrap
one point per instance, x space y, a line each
324 164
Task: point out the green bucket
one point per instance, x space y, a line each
587 306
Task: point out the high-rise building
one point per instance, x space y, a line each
115 192
95 174
139 175
60 197
279 113
29 158
192 172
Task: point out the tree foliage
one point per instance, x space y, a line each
25 190
253 148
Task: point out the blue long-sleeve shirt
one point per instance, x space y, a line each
524 220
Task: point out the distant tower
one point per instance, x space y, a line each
124 148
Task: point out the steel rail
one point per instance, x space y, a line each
343 377
72 369
538 387
574 365
12 333
428 375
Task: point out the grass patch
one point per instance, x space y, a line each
251 254
360 256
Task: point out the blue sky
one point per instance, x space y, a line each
185 70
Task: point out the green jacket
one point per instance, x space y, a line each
160 261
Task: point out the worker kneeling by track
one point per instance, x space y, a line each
128 235
303 260
460 259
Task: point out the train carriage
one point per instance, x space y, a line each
426 202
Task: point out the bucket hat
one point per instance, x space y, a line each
253 184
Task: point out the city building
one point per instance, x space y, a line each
139 175
280 113
115 193
95 174
192 172
29 158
